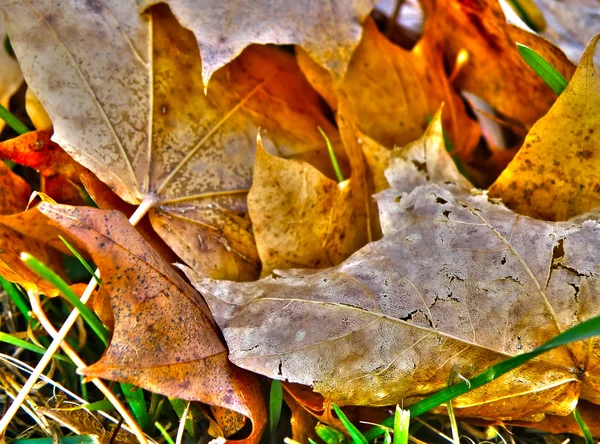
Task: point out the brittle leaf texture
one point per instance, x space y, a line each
458 283
556 173
329 31
164 338
157 136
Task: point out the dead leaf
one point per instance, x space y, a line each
149 348
303 423
494 71
458 283
181 152
14 191
59 172
23 231
329 31
556 174
394 91
300 217
10 74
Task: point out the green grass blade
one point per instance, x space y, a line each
584 330
12 121
387 438
81 259
401 425
357 437
103 405
311 441
88 316
137 403
334 162
164 433
329 434
10 339
275 403
179 405
545 70
16 296
589 439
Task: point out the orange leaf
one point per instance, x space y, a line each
164 338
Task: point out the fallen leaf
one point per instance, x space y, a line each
300 217
458 283
556 173
151 303
14 191
405 88
494 71
23 231
157 138
329 31
10 74
59 172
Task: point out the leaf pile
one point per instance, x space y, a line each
211 125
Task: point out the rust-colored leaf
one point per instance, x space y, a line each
59 172
494 71
164 338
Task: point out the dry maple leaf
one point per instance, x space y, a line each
556 173
329 31
458 283
164 338
126 97
300 218
494 71
394 91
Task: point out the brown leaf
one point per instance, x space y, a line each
458 283
495 71
394 91
556 174
300 217
59 172
329 31
158 137
303 423
164 339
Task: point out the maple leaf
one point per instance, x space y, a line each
329 31
405 88
555 174
164 338
494 71
458 283
156 137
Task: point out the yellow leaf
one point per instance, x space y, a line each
556 174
